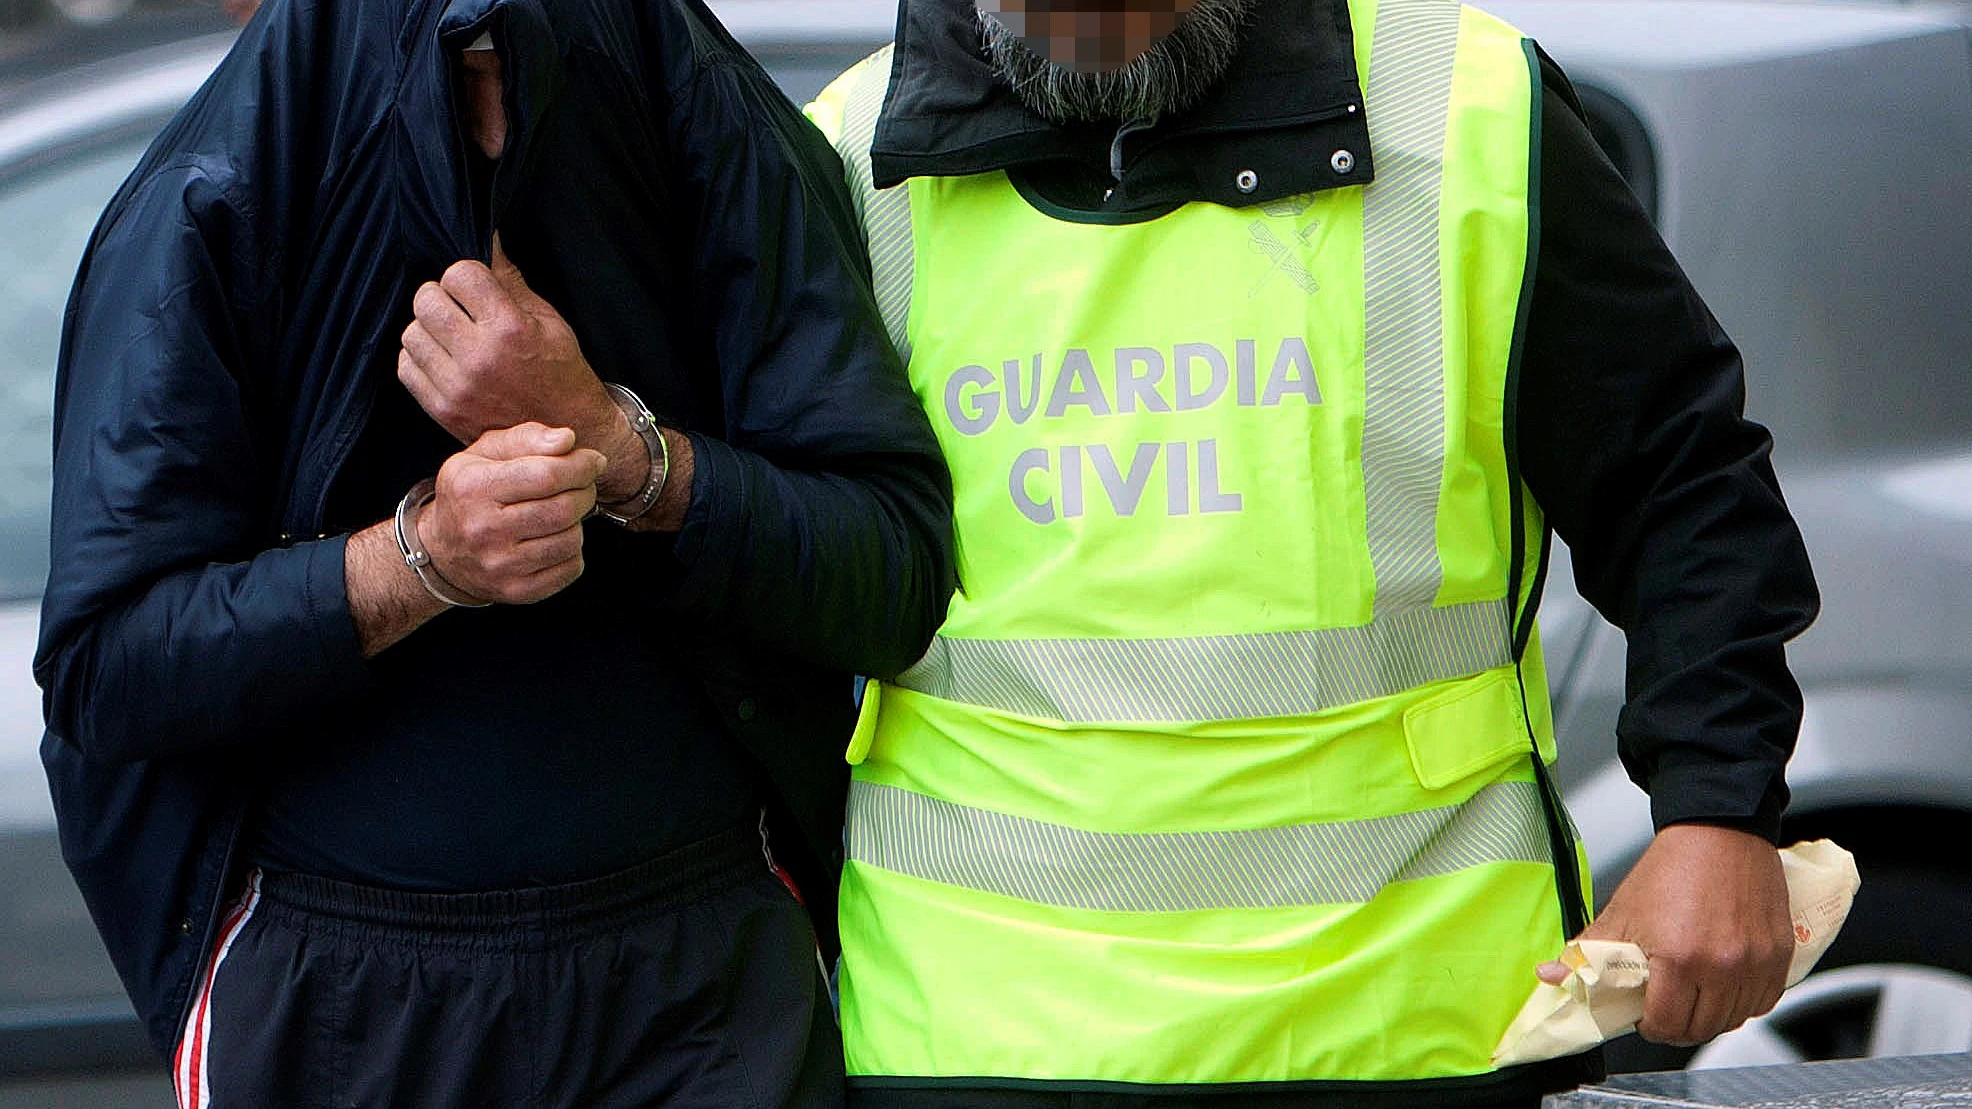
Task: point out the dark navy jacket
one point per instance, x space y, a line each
240 306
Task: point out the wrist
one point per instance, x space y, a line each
629 461
669 515
385 601
417 556
650 453
675 501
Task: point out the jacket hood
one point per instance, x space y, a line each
948 114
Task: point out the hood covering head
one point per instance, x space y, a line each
1065 80
581 192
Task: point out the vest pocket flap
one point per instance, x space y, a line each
1476 724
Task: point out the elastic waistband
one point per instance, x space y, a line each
675 878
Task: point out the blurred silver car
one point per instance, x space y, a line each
65 145
1809 164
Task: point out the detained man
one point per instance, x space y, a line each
448 735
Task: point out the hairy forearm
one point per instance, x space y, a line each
668 514
385 599
631 468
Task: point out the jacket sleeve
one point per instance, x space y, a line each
820 523
1634 442
167 625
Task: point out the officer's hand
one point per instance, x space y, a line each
506 525
1708 906
485 352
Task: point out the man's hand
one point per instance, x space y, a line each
485 352
506 525
1708 906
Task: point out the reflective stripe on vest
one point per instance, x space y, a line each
1403 357
1239 677
886 214
1345 862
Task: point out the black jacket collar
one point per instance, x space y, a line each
1290 102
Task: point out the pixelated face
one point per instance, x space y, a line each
1090 36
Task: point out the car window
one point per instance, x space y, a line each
45 219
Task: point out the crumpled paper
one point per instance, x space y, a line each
1602 996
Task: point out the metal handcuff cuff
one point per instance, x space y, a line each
645 425
424 492
419 559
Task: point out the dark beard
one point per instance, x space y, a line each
1175 74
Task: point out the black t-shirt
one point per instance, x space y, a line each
502 747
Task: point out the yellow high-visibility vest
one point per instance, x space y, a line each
1222 767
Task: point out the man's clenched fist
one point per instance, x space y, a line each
506 524
485 352
1708 906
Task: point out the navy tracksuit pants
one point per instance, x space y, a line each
691 981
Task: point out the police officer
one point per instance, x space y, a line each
1267 339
